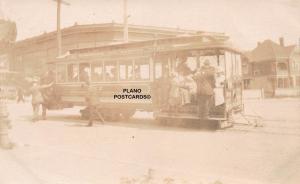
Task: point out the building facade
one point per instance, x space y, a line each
8 33
272 67
31 55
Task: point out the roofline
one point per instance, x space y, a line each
221 43
143 42
116 25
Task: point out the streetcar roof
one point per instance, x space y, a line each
203 41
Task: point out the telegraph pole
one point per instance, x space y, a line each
58 29
125 22
5 141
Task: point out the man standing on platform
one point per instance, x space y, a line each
205 79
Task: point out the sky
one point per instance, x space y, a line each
246 22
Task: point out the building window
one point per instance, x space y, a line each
282 66
256 72
297 67
245 68
246 83
282 83
298 81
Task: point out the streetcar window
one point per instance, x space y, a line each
142 70
239 65
84 72
221 62
161 67
73 72
192 63
61 73
228 63
110 71
212 59
233 60
125 71
97 71
158 70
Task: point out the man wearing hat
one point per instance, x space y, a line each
205 79
47 93
92 102
37 98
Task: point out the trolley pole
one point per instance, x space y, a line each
58 28
125 22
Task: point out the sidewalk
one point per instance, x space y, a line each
13 171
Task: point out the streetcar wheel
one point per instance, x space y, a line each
115 115
110 114
224 124
227 123
127 114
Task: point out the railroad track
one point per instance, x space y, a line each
285 128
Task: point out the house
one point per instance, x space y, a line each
273 67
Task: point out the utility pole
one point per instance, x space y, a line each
5 141
58 29
125 22
1 11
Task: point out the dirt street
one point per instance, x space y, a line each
61 150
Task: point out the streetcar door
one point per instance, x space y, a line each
161 73
233 89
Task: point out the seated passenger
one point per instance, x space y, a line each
187 84
84 76
110 76
188 89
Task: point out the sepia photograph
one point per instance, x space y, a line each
149 92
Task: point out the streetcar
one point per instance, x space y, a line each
136 76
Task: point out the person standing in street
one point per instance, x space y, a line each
20 95
47 93
205 79
92 103
37 98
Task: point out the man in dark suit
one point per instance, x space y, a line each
205 79
92 102
47 93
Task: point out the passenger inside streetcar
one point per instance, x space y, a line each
73 73
110 73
